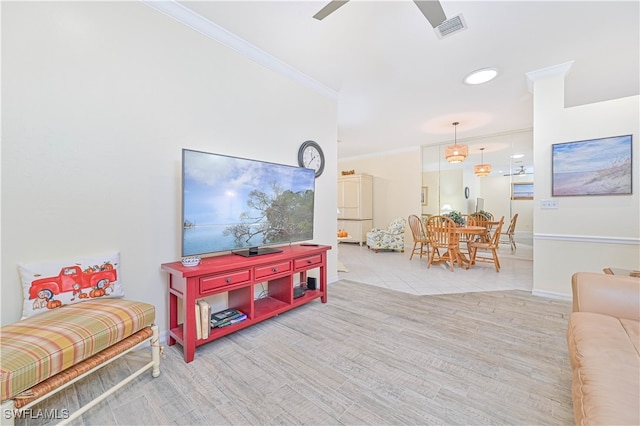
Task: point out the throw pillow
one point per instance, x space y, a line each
49 285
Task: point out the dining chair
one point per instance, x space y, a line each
486 214
420 241
491 245
479 219
441 233
507 236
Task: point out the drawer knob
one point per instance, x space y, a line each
228 280
309 261
274 269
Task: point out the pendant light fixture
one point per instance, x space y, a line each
456 153
482 169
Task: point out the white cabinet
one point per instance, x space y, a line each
357 229
355 206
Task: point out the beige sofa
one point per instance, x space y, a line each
603 338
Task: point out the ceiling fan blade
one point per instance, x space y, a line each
329 9
432 10
520 172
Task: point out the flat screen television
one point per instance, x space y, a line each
243 206
479 204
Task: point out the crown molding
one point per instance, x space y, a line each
204 26
559 70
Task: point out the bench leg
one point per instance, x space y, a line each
155 351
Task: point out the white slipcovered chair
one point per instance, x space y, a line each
391 238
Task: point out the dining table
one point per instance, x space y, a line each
461 258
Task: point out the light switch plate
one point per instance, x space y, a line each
549 204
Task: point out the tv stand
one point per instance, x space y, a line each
238 276
257 251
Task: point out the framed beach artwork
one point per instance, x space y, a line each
592 167
522 191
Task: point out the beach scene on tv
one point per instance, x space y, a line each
231 203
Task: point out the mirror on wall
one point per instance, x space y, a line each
455 186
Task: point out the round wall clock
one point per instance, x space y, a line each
466 192
310 156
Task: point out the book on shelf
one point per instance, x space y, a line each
205 312
234 320
227 317
198 322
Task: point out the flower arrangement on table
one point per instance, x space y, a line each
456 216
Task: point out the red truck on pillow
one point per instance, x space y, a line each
74 279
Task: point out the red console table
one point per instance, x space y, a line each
237 276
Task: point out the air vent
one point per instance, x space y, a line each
451 26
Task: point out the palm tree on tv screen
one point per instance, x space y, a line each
278 216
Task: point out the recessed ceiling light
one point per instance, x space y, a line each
517 156
481 76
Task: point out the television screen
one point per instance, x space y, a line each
231 203
479 204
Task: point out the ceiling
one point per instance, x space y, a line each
399 86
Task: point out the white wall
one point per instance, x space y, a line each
452 190
98 100
496 191
585 233
396 185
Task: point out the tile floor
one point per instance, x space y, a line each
394 270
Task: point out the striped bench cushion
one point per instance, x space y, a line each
41 346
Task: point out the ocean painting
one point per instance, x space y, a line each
592 167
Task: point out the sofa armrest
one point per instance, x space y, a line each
613 295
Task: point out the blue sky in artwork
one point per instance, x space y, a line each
592 155
217 187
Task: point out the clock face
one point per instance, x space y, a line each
311 156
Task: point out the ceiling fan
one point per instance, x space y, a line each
520 172
431 9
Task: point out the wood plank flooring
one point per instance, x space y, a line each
370 356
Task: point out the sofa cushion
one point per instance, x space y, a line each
39 347
604 354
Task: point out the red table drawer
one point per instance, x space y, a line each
213 282
307 262
276 269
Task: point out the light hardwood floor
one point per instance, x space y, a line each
370 356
